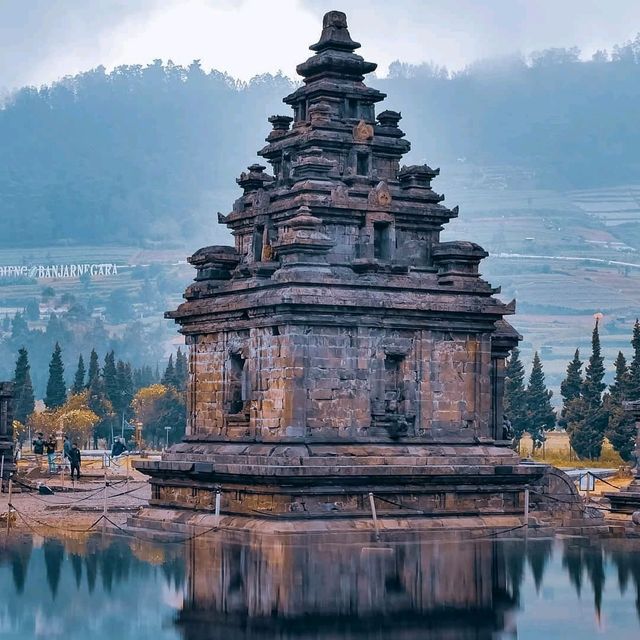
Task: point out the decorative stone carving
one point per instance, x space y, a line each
362 132
380 195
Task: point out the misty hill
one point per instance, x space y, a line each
148 153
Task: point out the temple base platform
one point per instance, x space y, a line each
312 487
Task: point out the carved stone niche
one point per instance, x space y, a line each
392 405
457 260
237 391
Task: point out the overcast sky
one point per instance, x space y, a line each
42 40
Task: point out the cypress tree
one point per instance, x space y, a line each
56 388
23 389
634 367
621 428
571 387
78 379
589 419
540 414
593 385
124 378
619 390
181 370
515 402
110 378
169 375
94 368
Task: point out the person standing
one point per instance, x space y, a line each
118 448
75 460
66 451
50 446
38 448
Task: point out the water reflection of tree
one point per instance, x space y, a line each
594 563
625 555
514 563
76 566
539 553
572 562
20 556
580 558
53 558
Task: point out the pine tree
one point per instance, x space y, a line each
571 386
593 385
619 390
25 403
124 378
515 402
110 378
587 418
94 368
540 414
621 429
169 375
78 379
56 388
634 367
181 371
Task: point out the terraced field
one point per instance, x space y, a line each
563 255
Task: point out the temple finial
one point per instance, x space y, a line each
335 34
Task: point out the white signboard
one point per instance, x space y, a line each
587 482
65 271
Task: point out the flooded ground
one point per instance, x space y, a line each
107 587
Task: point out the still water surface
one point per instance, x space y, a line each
114 588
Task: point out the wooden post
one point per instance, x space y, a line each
374 514
9 507
526 506
104 504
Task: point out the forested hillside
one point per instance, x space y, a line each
148 153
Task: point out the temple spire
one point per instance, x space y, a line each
334 53
335 34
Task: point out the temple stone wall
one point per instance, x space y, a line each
336 382
346 240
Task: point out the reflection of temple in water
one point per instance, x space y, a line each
278 589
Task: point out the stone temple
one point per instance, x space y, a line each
340 348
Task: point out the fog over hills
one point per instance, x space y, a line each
541 154
148 153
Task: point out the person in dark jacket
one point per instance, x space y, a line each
118 448
75 459
38 447
50 446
